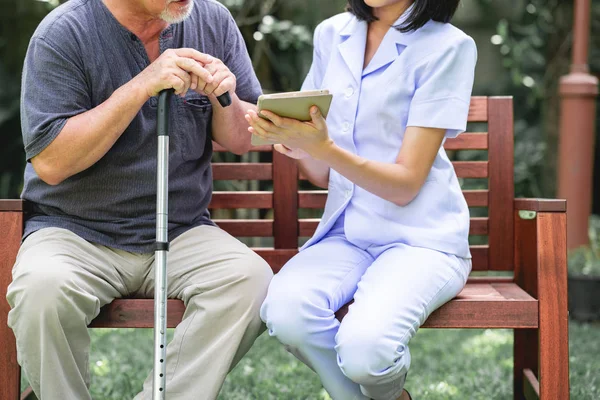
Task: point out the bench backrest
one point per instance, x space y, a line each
281 198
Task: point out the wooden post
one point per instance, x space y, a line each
578 92
11 226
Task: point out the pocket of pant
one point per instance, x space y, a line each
196 123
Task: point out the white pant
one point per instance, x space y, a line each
395 288
60 281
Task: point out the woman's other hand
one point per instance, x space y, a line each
297 154
310 137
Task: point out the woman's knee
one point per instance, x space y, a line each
290 313
368 353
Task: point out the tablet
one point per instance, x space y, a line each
294 105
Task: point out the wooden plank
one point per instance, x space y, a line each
526 343
11 226
231 200
468 141
490 279
511 291
532 386
480 257
276 257
242 171
478 226
285 201
312 198
471 169
476 198
136 313
308 226
12 205
246 227
217 148
501 182
480 307
495 314
466 311
478 109
541 205
554 316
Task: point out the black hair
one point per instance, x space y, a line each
423 11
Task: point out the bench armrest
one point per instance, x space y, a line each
12 205
541 205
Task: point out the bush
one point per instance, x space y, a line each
585 261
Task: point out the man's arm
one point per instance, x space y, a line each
88 136
234 74
230 128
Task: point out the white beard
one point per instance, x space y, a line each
176 17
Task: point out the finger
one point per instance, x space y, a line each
226 85
317 118
286 123
195 55
192 67
263 123
185 78
177 84
258 130
194 84
282 149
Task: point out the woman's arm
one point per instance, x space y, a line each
316 171
398 182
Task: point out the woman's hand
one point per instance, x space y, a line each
310 137
296 154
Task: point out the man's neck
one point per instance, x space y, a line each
135 18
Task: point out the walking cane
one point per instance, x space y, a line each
162 243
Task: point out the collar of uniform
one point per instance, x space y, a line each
354 38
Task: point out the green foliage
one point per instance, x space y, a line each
536 52
586 260
446 364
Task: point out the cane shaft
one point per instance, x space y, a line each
162 247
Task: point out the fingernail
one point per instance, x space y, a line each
314 110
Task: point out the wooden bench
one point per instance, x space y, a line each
526 240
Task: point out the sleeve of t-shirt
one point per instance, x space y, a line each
54 89
444 86
239 63
314 78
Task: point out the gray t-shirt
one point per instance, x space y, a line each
77 58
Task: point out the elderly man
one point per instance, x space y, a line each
91 76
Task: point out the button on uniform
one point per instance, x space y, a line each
349 92
346 126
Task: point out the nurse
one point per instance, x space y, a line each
394 234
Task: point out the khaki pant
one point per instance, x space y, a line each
60 281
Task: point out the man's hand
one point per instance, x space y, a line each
179 69
223 80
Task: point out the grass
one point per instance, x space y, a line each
447 364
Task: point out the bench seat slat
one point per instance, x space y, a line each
480 305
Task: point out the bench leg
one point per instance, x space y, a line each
10 373
526 352
554 315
